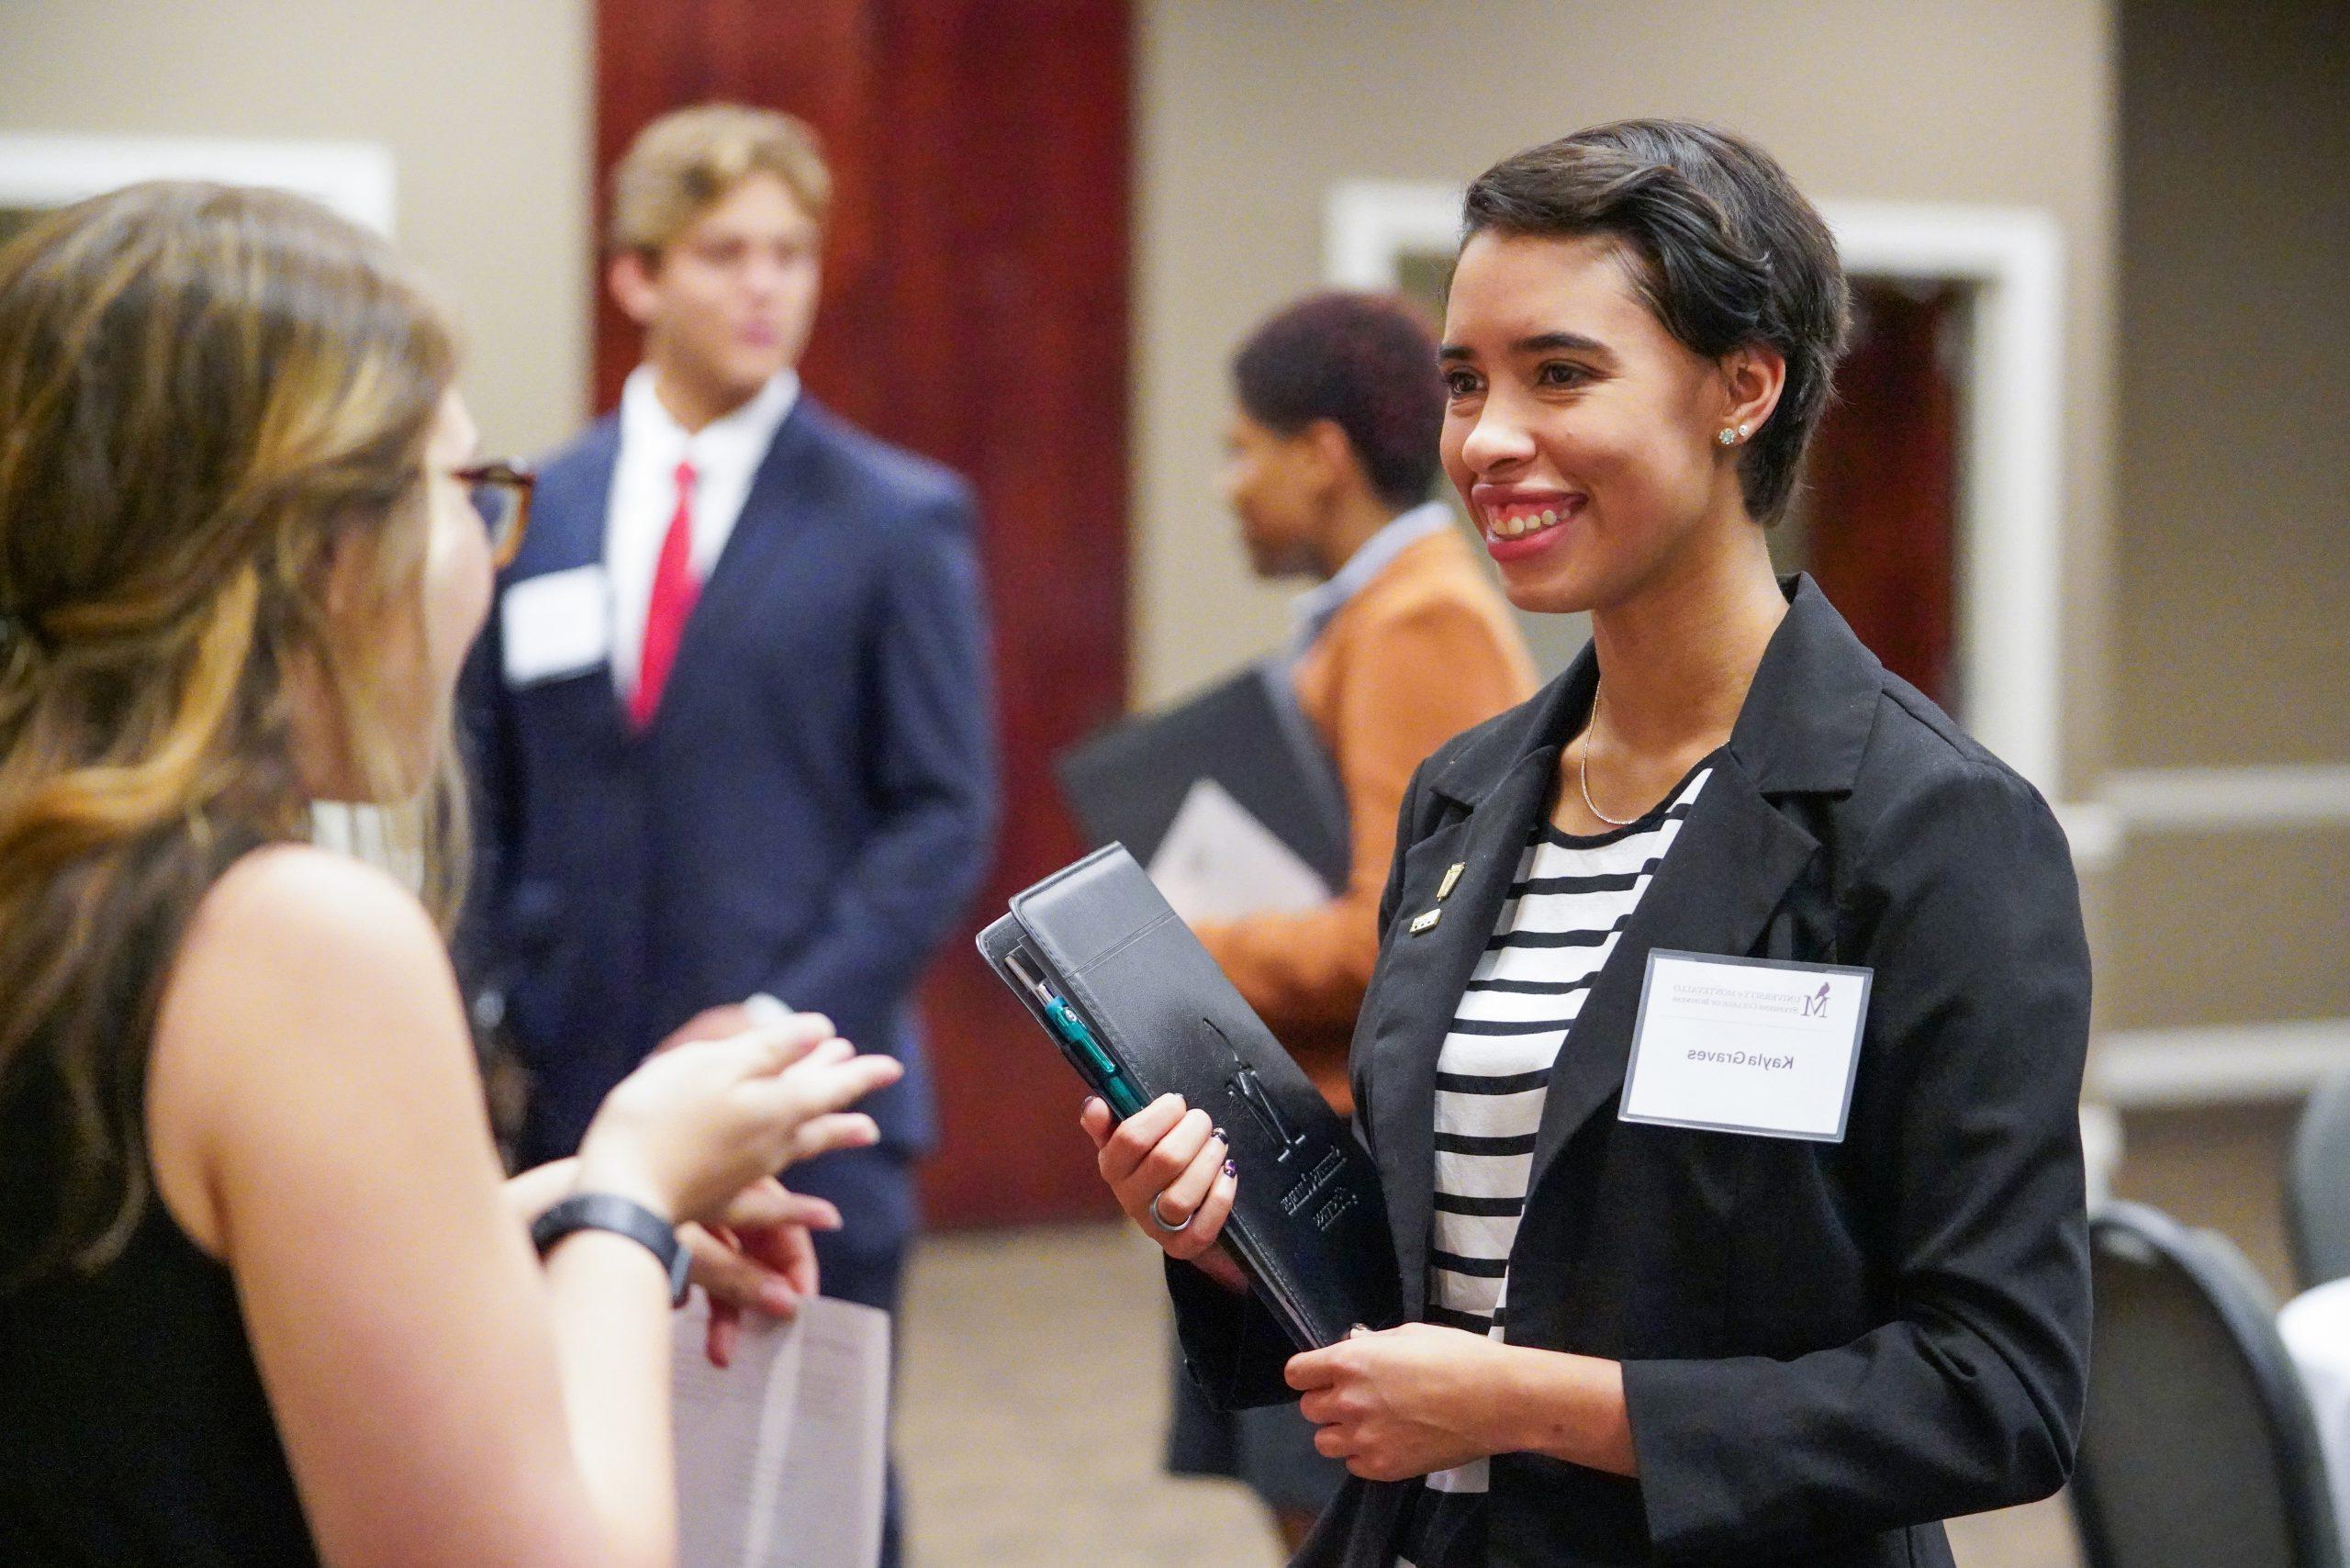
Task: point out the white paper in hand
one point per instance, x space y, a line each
779 1456
1219 861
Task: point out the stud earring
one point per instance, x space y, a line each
1726 437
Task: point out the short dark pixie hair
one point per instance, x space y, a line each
1728 253
1367 363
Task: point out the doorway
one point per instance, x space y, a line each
1875 518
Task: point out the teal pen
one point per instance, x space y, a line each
1123 1098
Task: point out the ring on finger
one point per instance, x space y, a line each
1158 1218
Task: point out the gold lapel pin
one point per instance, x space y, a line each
1425 922
1451 879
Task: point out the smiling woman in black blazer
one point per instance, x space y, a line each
1725 1339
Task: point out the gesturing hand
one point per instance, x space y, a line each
760 1256
695 1123
726 1018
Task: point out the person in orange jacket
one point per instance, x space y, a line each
1401 642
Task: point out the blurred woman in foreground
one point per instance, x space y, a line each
264 1297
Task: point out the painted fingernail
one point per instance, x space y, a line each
1220 1137
1230 1169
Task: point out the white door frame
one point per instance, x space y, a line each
2011 517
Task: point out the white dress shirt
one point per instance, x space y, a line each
725 455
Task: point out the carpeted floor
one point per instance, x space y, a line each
1034 1395
1034 1382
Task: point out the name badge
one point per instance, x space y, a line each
555 624
1746 1045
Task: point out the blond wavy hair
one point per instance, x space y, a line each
214 405
685 162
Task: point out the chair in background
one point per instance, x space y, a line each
2198 1451
2317 1186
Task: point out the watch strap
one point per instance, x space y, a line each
621 1217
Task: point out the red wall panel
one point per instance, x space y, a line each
1883 476
975 310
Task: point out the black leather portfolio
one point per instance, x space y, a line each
1139 1009
1125 784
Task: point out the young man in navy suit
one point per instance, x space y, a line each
730 724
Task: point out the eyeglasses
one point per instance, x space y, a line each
501 493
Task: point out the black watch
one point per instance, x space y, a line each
621 1217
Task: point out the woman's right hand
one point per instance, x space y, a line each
1178 1160
695 1123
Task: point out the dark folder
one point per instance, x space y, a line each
1139 1009
1125 783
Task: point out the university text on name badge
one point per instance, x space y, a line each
1746 1045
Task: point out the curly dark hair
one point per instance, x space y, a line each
1367 363
1728 254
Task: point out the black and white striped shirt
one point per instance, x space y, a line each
1566 908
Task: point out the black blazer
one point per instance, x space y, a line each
1828 1347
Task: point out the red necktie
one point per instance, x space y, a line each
675 587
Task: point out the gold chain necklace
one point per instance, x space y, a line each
1582 769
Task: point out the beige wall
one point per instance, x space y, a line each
2209 929
485 106
1250 109
2231 539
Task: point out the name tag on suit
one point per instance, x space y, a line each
1746 1045
555 624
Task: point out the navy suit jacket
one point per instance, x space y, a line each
808 812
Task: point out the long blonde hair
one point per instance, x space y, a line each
211 399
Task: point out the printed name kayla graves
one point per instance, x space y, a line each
1746 1045
1745 1058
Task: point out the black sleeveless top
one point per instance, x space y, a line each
133 1430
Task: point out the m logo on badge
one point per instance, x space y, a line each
1746 1045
